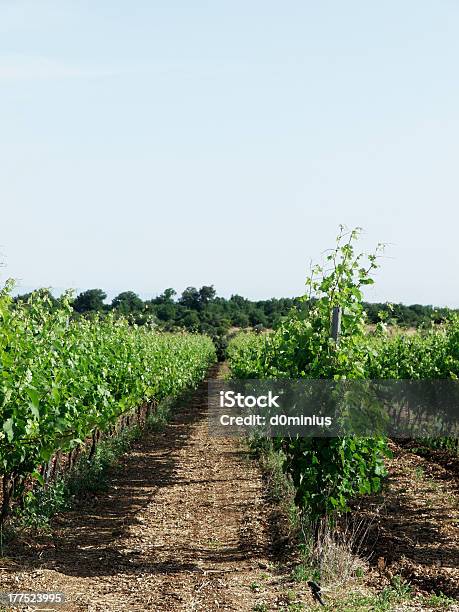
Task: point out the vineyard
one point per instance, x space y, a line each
188 521
64 381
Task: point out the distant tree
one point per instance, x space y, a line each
257 317
241 320
238 300
127 302
190 320
167 297
207 294
166 311
91 300
191 298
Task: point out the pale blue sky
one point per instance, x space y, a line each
153 144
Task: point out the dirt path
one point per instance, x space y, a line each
183 526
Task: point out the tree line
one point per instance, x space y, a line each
201 310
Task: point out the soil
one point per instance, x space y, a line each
414 522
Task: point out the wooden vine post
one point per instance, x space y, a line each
336 324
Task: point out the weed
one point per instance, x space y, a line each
304 572
439 601
363 603
401 587
39 506
331 549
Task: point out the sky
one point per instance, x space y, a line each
148 144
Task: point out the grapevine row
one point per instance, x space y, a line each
327 473
62 379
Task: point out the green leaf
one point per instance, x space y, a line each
8 429
34 404
37 476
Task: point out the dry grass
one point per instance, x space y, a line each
336 550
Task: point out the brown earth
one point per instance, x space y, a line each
414 522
